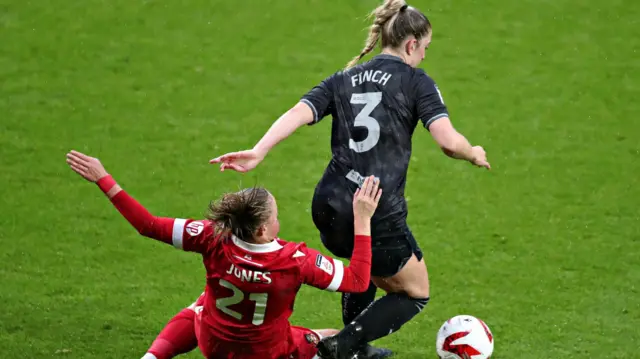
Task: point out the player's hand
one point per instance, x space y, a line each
242 161
89 168
365 200
479 157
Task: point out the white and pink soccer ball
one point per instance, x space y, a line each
464 337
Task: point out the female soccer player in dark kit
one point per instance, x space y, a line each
375 108
252 276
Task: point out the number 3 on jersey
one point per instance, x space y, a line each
370 100
259 298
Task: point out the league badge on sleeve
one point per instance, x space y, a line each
194 228
324 264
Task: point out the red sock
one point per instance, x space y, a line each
177 337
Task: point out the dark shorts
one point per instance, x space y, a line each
388 255
392 243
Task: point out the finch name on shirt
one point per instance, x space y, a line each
376 76
246 275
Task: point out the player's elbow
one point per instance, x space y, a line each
448 150
356 283
450 143
145 232
354 288
362 286
147 229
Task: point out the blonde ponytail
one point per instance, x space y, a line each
372 40
381 15
393 22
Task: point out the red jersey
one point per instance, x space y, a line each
251 288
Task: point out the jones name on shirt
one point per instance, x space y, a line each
246 275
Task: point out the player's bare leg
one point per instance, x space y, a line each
407 295
413 279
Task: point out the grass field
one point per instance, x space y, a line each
545 247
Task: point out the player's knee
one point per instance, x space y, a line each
417 303
419 284
418 291
420 302
416 280
419 288
160 349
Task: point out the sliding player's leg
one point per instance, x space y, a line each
177 337
398 268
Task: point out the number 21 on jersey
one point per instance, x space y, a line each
370 100
259 298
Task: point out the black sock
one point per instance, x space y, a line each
385 316
354 303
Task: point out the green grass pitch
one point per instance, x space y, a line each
545 247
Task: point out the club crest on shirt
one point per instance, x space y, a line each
324 264
194 228
311 338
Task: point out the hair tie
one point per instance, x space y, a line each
404 7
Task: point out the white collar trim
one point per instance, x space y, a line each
257 248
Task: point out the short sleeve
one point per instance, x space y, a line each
429 103
191 235
321 271
320 99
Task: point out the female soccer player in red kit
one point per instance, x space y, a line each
252 275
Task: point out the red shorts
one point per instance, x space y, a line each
304 339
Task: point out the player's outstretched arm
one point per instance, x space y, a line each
243 161
365 202
140 218
455 145
430 108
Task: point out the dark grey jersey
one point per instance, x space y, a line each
375 108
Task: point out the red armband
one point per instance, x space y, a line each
106 183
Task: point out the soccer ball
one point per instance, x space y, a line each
464 337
